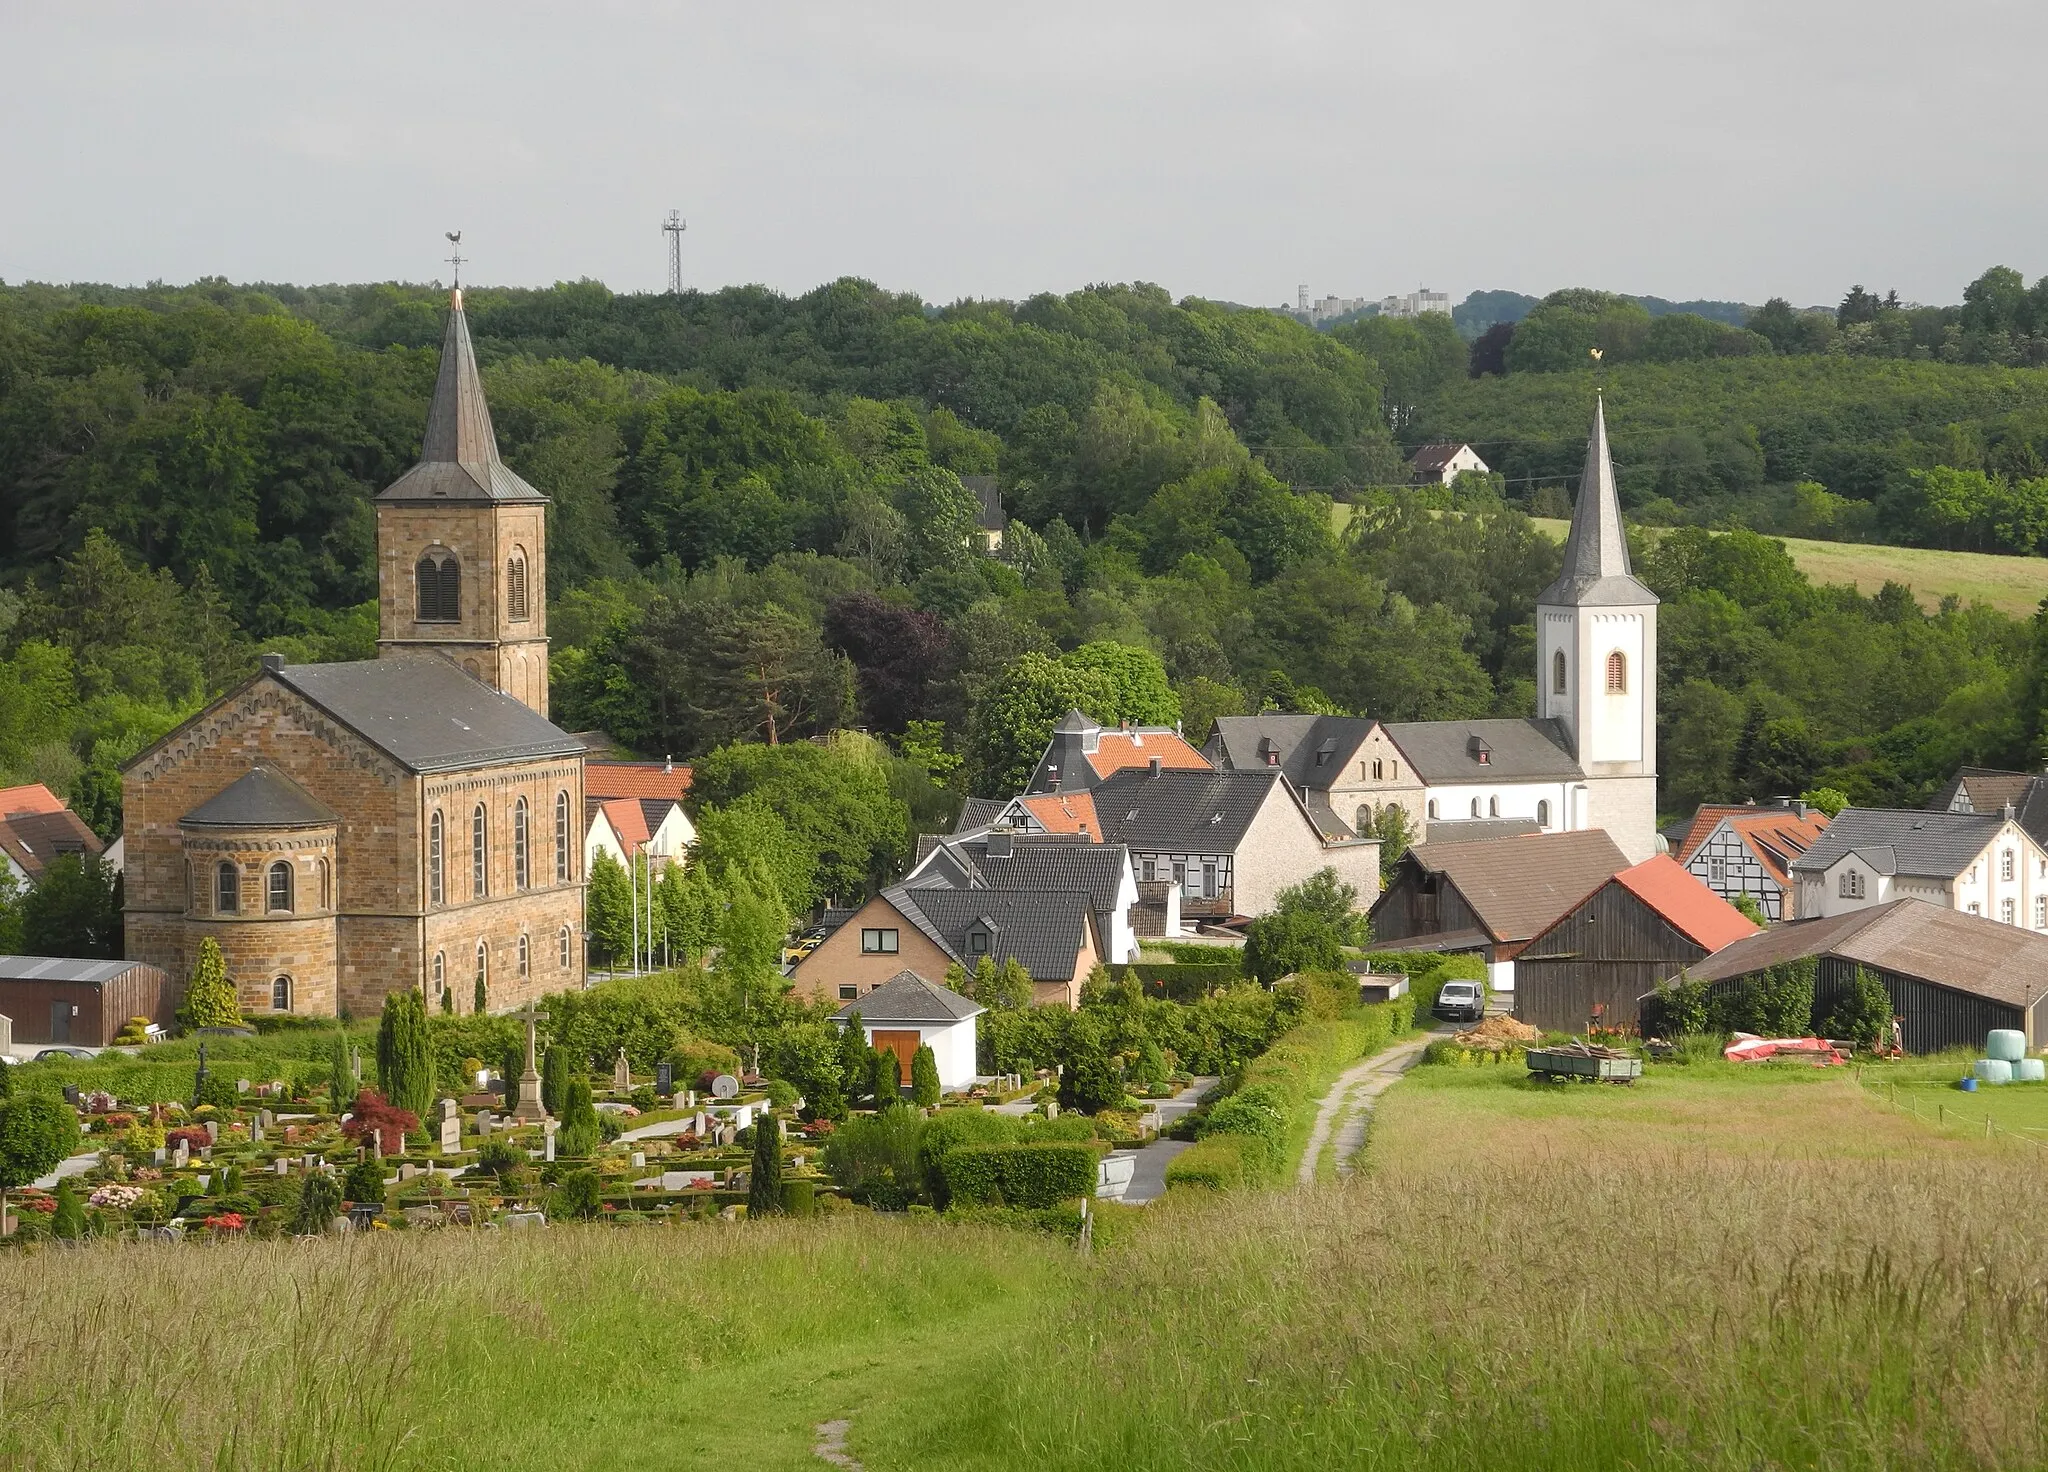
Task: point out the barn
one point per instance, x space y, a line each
1952 976
1640 928
55 1000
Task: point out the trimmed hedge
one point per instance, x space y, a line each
1212 1164
1180 982
1030 1175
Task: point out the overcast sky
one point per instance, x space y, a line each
1718 148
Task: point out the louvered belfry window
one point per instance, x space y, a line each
438 577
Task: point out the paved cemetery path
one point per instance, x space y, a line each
1357 1089
1148 1175
77 1165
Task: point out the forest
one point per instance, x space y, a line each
759 531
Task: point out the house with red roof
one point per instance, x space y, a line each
1083 754
35 828
1633 932
635 808
1751 850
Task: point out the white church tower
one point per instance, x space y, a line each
1596 672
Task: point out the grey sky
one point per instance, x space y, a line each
1721 148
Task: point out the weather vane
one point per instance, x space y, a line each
455 239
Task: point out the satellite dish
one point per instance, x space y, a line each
725 1086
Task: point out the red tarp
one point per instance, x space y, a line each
1748 1048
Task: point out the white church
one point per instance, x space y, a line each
1586 759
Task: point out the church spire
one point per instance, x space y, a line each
459 455
1596 566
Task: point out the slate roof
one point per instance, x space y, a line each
1596 568
63 968
1912 937
979 812
1182 812
908 997
1044 930
1988 790
262 797
1518 886
1431 459
989 498
428 715
1903 841
1097 869
1313 751
1528 750
459 455
1472 830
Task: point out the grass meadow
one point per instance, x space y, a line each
1716 1268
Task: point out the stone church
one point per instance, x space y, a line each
345 830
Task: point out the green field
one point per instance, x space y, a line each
1716 1268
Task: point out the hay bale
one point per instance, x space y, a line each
2006 1044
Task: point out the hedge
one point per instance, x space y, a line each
1027 1175
1428 970
1214 1164
1180 982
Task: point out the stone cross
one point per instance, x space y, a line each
529 1109
451 1127
622 1073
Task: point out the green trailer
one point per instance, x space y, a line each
1585 1063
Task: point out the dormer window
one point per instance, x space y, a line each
1479 751
977 942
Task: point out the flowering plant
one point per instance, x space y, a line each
195 1139
120 1198
227 1221
45 1204
816 1128
148 1173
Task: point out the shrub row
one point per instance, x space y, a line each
1427 972
1250 1136
1181 982
1031 1175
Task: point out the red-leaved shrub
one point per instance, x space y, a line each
372 1111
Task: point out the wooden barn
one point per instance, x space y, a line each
1952 976
55 1000
1490 896
1641 927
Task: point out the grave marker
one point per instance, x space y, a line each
548 1128
213 1130
622 1073
183 1156
665 1080
528 1109
451 1127
484 1122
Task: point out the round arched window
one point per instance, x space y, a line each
1557 672
279 891
1617 673
281 994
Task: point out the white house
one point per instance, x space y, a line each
1444 463
620 827
906 1012
1980 863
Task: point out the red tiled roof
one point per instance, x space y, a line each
1686 904
31 797
1705 821
626 817
1778 837
30 840
1117 751
635 779
1065 812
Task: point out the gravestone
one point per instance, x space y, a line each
377 1141
525 1219
689 1098
71 1095
665 1080
727 1135
725 1086
281 1165
265 1118
158 1156
639 1159
213 1130
451 1127
242 1086
206 1152
406 1171
256 1132
548 1147
622 1073
528 1109
484 1122
183 1157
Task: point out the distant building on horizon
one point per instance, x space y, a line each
1415 303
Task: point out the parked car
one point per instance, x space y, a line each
48 1053
1461 1001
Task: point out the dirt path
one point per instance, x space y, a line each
1356 1090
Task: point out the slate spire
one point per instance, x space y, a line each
459 455
1596 565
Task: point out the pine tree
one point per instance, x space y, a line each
341 1075
554 1081
405 1052
924 1077
210 997
887 1076
482 999
579 1108
764 1184
513 1067
319 1204
69 1222
856 1069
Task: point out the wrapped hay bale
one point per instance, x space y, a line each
2030 1071
1992 1070
2006 1045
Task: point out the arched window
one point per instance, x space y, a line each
1543 813
483 968
479 853
1617 673
1475 807
515 585
439 587
1432 807
563 940
227 889
281 994
1557 672
525 957
280 888
437 842
561 838
519 872
326 885
440 974
188 884
1365 819
1493 807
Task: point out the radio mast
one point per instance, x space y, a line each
673 227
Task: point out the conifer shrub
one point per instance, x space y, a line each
364 1182
210 999
764 1180
319 1204
405 1053
579 1194
554 1081
497 1158
924 1077
799 1198
67 1223
885 1077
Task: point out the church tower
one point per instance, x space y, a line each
462 543
1596 651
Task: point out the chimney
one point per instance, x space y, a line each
1798 808
999 843
668 766
273 662
2007 812
1157 765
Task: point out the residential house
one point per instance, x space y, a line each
1989 790
1051 933
36 827
1082 754
1952 976
1641 927
1749 851
907 1012
633 808
1980 863
1229 841
1000 858
1444 463
1346 768
990 522
1490 898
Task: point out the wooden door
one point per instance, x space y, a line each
903 1045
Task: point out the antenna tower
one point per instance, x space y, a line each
673 227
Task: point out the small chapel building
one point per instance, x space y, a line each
347 830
